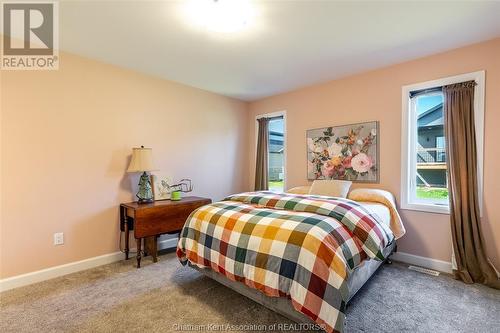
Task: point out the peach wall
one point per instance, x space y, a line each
376 95
66 137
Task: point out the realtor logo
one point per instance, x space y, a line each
30 35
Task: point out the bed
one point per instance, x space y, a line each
303 256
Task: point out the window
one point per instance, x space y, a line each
429 173
276 168
276 150
424 170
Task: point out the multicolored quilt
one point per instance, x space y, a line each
298 246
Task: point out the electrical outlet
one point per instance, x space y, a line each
58 238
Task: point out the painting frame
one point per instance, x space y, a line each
328 167
160 192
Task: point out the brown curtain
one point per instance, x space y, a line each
468 242
261 173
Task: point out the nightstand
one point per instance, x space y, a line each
148 221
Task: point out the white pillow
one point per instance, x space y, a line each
331 188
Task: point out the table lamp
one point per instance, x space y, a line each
142 161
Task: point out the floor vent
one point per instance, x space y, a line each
424 270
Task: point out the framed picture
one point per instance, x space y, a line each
348 152
161 186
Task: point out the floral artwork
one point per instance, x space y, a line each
344 152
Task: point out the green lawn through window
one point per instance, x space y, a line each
432 193
276 185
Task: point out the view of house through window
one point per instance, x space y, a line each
430 149
276 154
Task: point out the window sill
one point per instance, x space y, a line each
428 208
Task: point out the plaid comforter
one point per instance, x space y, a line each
297 246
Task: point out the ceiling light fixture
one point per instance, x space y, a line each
226 16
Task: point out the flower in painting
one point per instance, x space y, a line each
335 149
359 142
336 160
374 132
361 163
347 162
313 147
328 169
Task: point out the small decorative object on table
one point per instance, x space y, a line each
175 195
163 190
142 161
161 187
183 186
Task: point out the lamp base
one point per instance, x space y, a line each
145 201
145 193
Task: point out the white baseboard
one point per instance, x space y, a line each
56 271
167 243
435 264
73 267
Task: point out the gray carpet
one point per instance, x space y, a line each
164 296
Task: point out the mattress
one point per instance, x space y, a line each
381 210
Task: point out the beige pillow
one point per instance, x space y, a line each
299 190
331 188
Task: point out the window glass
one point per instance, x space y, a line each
430 169
276 154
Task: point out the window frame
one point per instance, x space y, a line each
408 138
274 115
440 146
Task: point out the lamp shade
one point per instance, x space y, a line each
142 160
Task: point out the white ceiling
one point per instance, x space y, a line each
290 44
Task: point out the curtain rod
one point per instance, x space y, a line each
271 118
425 91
